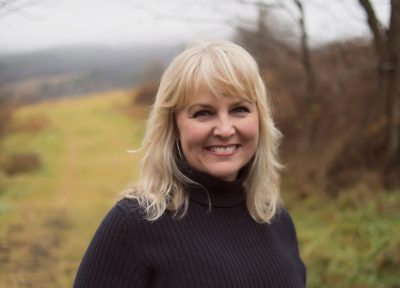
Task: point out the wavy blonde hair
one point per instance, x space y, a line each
226 69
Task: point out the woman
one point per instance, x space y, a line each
206 211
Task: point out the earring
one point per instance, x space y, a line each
178 149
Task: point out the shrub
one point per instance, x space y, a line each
6 110
21 163
32 124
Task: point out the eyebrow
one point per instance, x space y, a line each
199 105
209 106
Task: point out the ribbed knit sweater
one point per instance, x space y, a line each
217 245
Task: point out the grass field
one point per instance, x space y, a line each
48 216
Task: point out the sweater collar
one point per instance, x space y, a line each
212 191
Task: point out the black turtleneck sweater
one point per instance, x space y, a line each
217 245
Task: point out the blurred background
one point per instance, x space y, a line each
77 79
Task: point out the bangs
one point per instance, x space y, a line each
222 73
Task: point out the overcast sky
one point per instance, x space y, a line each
50 23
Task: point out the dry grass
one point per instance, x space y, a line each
47 218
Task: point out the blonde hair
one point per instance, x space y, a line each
226 69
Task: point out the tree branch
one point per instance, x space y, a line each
18 7
374 25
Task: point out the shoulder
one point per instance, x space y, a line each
122 217
131 210
282 216
122 227
113 253
284 225
129 207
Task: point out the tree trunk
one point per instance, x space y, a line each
392 75
306 55
374 26
312 103
387 47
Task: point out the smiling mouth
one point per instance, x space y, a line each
225 150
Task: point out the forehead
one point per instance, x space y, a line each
202 94
205 96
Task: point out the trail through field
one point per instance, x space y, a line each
54 212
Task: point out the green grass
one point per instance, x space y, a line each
347 245
47 217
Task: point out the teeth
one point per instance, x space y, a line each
223 149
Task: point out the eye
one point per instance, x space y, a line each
241 110
202 113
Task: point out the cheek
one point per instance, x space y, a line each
250 130
191 135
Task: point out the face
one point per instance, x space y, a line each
218 136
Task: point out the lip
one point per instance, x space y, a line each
222 150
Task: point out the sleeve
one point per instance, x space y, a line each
290 229
285 228
111 259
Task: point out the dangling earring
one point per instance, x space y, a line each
178 149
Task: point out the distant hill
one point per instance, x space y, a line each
76 70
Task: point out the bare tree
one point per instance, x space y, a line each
17 7
306 54
312 101
387 47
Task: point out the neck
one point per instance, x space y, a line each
212 191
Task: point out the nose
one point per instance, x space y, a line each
224 127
